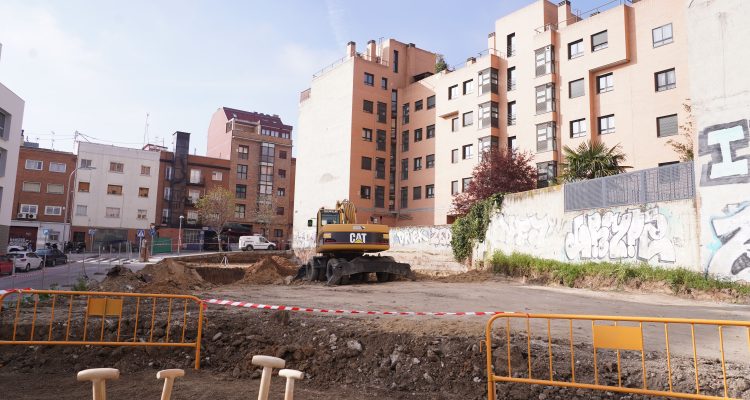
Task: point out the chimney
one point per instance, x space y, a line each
470 60
351 49
564 17
371 50
491 42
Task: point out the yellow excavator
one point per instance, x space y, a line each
344 249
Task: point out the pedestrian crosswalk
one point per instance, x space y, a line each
109 260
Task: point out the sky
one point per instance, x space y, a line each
99 67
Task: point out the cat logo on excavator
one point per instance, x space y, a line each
357 237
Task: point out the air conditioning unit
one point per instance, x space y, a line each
21 216
31 216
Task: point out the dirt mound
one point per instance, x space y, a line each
172 277
270 270
121 279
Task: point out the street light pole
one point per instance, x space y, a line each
66 224
179 236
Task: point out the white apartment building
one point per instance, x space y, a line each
115 193
11 120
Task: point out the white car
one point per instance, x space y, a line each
26 261
255 242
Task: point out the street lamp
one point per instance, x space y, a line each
179 236
67 200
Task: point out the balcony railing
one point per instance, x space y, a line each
200 181
578 15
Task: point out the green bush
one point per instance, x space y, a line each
472 227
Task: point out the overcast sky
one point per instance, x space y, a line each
99 66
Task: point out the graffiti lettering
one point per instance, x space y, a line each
524 230
434 236
732 230
723 143
617 236
304 239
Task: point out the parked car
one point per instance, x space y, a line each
6 265
256 242
25 261
52 257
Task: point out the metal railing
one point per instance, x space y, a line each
578 15
666 183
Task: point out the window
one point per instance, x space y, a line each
510 42
282 154
605 83
278 233
468 118
243 152
512 113
430 131
405 169
576 88
240 191
468 86
546 173
454 156
279 210
545 137
282 173
575 49
454 125
81 210
665 80
367 134
265 181
29 208
367 163
241 171
662 35
487 145
35 165
382 107
578 128
193 196
512 144
454 188
195 176
489 115
488 81
379 196
167 193
465 184
52 210
2 125
452 92
417 163
57 167
32 187
239 211
380 168
599 41
280 192
431 102
607 124
367 106
405 141
142 214
114 190
545 98
380 140
85 163
143 192
55 188
418 135
666 125
217 175
145 170
395 60
418 105
369 79
430 161
467 151
545 60
168 172
384 83
511 78
364 192
404 196
267 152
405 113
112 212
429 191
116 167
416 192
84 187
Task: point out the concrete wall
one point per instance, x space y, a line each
10 141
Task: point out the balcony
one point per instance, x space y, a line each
201 181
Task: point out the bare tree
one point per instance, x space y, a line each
684 147
266 211
215 209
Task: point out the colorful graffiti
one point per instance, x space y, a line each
524 230
632 234
723 142
432 236
731 247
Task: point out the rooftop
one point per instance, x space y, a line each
265 120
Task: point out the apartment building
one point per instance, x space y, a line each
183 179
259 149
115 193
11 121
550 77
40 197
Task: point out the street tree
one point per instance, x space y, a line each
592 159
266 211
215 208
440 64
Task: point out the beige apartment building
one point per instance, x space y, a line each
550 77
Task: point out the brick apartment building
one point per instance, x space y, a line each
39 200
259 150
381 129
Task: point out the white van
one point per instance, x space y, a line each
255 242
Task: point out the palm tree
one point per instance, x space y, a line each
592 159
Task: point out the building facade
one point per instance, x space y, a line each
549 78
259 149
42 184
11 133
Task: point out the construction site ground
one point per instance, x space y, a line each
375 357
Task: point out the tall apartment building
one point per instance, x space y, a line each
259 149
11 120
39 200
549 78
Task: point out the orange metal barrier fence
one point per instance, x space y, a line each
570 344
52 317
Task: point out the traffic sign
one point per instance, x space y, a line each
141 233
92 232
46 232
153 232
